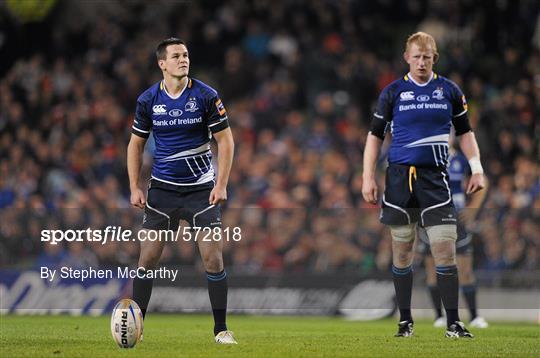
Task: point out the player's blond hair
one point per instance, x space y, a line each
423 40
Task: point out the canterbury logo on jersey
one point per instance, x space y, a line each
407 96
220 107
159 109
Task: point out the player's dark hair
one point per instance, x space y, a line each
161 50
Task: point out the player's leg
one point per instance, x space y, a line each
402 257
158 215
211 254
402 222
211 250
442 242
434 293
148 260
443 248
431 278
439 218
467 282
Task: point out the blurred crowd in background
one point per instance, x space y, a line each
300 80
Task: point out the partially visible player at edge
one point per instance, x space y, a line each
183 114
468 212
419 109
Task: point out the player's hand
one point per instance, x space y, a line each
138 198
218 195
370 191
477 182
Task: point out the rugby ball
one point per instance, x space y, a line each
126 323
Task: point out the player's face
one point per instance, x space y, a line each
420 62
177 62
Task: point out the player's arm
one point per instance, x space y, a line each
371 154
467 141
139 134
134 163
473 207
469 147
374 142
225 144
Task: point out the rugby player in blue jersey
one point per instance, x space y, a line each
419 109
182 114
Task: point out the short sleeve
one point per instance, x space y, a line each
459 111
459 102
142 124
384 106
217 115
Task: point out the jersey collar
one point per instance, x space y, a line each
163 88
408 77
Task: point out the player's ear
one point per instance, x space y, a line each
406 56
435 58
161 64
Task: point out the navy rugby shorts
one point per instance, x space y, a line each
417 194
167 204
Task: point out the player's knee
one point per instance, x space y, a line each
149 262
442 239
149 258
440 233
213 262
403 258
403 233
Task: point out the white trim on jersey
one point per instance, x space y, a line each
434 155
440 153
440 204
220 120
190 168
203 148
139 130
204 162
177 96
195 159
420 84
436 139
205 178
462 113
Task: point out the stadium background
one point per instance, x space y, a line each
299 80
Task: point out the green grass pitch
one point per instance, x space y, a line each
190 335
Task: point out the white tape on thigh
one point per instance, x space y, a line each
442 233
403 233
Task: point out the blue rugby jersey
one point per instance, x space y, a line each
420 117
182 127
458 168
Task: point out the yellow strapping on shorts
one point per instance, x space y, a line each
412 173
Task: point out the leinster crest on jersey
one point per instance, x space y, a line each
191 105
438 94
